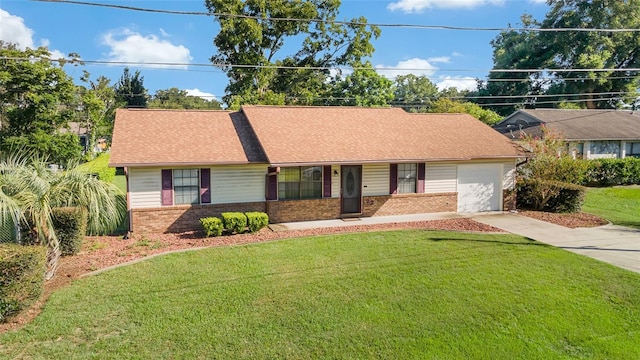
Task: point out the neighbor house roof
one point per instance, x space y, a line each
573 124
308 135
144 137
289 135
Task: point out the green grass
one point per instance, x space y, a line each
387 295
620 205
100 166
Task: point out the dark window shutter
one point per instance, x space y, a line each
272 184
420 180
167 187
205 186
327 181
393 178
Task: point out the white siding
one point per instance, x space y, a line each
440 178
335 181
375 179
509 179
234 184
145 188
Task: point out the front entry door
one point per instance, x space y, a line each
351 189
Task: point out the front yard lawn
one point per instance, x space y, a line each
620 205
396 295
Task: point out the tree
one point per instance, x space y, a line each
29 191
444 105
363 87
250 46
568 50
175 98
38 100
414 93
96 109
130 89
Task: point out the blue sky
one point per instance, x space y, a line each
447 57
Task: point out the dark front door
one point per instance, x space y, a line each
351 189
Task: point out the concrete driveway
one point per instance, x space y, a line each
616 245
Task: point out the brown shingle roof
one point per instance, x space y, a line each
586 124
143 137
314 135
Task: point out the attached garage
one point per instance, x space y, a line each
479 187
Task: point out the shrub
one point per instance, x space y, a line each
256 220
21 277
234 222
212 226
609 172
70 225
552 196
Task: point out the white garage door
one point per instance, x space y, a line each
479 187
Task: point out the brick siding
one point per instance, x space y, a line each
508 200
403 204
303 210
184 218
187 218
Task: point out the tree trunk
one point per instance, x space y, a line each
53 255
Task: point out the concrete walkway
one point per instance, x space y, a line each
616 245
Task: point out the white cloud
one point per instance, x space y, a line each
130 46
461 83
538 1
197 92
409 6
440 59
414 66
14 30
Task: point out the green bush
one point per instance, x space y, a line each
70 225
21 277
212 226
610 172
256 220
234 222
552 196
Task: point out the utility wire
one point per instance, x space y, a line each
359 23
271 66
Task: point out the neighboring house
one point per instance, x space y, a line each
307 163
590 134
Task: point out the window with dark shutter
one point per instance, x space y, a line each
421 175
327 181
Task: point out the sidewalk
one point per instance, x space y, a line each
616 245
303 225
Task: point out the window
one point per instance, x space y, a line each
186 186
611 148
633 149
407 178
303 182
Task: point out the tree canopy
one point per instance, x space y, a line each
174 98
38 100
251 49
130 89
563 51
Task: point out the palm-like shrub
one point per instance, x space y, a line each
29 190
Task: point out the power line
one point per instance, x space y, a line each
282 67
358 23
